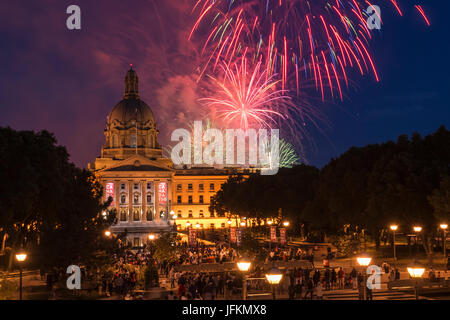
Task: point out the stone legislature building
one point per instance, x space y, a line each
149 194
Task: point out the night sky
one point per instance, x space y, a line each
68 81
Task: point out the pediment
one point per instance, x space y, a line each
138 163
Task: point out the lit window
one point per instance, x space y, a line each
149 213
136 242
136 215
123 215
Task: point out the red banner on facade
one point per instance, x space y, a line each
283 236
110 192
273 234
192 237
238 237
233 234
162 193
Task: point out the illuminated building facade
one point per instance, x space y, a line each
149 194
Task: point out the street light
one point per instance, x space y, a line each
364 261
244 265
242 224
286 223
21 256
394 228
197 225
444 227
417 229
274 277
107 233
229 232
416 272
151 237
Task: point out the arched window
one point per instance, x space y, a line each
133 141
150 214
123 215
123 198
115 141
136 198
136 214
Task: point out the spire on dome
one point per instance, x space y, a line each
131 84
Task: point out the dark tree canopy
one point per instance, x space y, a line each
47 204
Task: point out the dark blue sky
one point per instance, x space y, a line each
67 82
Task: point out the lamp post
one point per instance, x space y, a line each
364 261
444 227
394 228
274 277
21 256
417 230
416 272
286 225
229 233
270 222
243 266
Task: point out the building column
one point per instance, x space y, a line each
130 200
156 207
144 200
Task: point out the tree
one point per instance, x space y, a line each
49 205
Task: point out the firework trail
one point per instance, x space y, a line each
246 97
308 44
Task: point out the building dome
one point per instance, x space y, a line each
127 111
130 127
131 109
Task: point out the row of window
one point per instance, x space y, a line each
133 141
200 187
136 214
190 199
136 198
123 186
201 214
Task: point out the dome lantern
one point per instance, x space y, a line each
131 85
